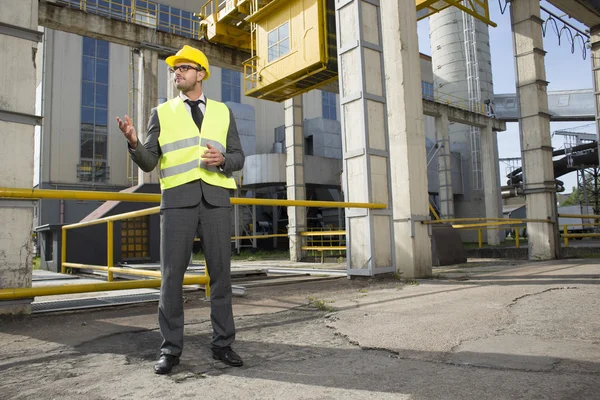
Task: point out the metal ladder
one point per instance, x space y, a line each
474 92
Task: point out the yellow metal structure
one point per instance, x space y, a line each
293 42
27 293
225 22
294 49
477 8
110 269
149 198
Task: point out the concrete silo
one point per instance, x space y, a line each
462 75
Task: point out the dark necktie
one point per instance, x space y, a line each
196 113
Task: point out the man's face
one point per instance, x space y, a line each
186 75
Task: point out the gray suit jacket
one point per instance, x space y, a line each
146 156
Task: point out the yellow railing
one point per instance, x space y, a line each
566 235
458 102
481 224
324 240
155 198
109 268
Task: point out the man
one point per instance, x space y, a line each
198 147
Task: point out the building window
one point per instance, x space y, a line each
94 112
279 41
427 90
174 20
329 106
142 12
135 239
230 86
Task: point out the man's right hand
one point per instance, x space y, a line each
128 131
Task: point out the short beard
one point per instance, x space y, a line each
185 88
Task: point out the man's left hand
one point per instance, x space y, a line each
212 157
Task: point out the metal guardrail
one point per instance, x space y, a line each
566 235
19 293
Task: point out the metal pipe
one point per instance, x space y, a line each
269 236
85 266
154 274
63 252
435 214
564 22
118 217
207 281
77 195
322 233
124 271
579 216
25 293
109 249
155 198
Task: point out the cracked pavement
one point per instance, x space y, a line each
527 330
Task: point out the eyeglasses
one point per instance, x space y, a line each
183 68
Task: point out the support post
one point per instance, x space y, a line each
491 181
375 125
171 89
406 138
18 82
254 231
147 98
366 149
294 166
534 129
237 222
444 166
595 44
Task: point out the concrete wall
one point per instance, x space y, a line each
61 131
18 83
62 93
118 105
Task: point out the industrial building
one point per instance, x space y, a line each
334 106
84 150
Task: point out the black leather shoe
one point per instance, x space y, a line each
228 356
165 364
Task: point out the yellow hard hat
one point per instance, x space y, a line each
189 53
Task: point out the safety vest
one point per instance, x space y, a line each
182 144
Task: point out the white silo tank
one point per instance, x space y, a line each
449 63
449 59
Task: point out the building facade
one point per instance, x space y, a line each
86 83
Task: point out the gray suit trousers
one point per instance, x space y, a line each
178 228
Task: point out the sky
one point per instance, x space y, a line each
564 71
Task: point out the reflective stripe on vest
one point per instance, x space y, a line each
182 144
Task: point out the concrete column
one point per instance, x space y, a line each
491 181
294 168
444 166
406 138
19 43
534 127
171 89
595 43
366 149
147 98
